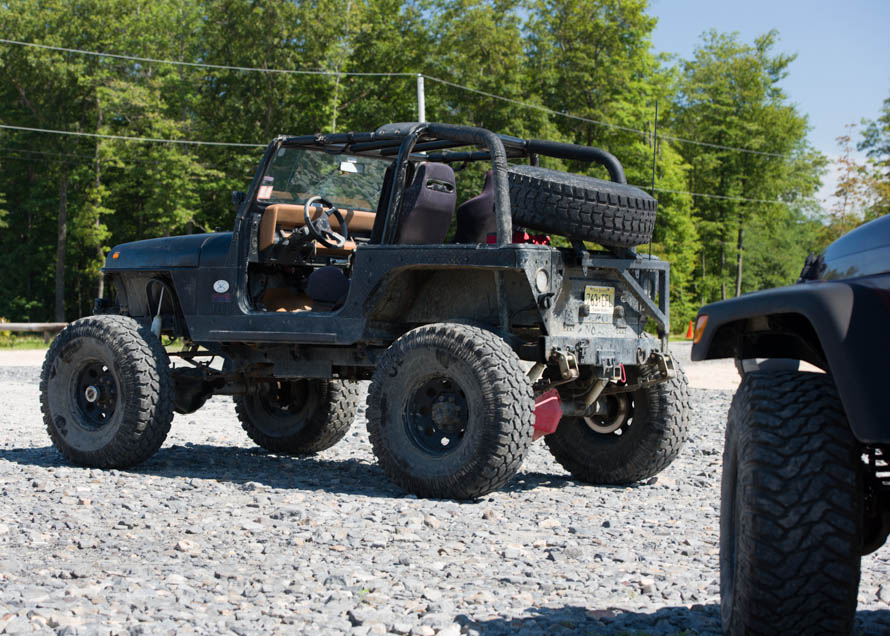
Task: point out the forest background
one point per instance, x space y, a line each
735 176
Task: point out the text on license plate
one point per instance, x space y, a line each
601 300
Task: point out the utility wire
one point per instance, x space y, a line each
140 139
223 67
721 196
220 143
536 106
396 74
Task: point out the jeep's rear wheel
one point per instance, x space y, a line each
791 509
106 392
450 412
580 207
298 417
632 436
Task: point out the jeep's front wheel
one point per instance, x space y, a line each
298 417
106 392
791 509
632 436
450 412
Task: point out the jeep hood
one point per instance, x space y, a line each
863 252
167 252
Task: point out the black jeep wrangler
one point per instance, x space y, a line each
348 262
806 480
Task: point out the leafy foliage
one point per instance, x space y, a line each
66 200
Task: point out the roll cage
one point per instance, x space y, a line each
420 141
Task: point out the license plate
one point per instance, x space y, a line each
600 300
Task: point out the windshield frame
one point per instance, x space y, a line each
305 172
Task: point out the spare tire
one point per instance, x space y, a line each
580 207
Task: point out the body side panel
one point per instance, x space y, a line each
850 321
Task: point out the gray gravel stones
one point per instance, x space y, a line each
215 536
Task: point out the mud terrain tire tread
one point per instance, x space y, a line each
580 207
648 447
146 391
503 407
791 509
327 425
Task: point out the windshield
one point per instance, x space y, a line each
295 174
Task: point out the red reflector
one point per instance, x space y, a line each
548 412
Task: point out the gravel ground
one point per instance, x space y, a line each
213 536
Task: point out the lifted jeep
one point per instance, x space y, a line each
339 268
806 465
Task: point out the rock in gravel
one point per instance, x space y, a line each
213 535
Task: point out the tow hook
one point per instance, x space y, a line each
665 363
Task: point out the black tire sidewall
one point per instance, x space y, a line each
608 451
791 508
72 358
404 379
500 411
730 516
327 417
145 392
279 426
652 441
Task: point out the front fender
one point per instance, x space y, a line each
171 252
839 326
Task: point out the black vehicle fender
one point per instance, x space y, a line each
840 326
138 295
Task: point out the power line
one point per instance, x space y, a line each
719 196
222 143
535 106
140 139
601 123
222 67
396 74
44 153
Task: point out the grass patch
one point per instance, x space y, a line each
13 341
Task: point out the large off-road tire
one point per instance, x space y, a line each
450 412
637 436
106 393
791 509
580 207
299 417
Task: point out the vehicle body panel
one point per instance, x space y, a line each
839 326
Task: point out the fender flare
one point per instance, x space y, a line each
840 326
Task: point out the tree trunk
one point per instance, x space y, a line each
703 273
723 270
738 273
99 253
61 235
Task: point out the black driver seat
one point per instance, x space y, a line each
428 204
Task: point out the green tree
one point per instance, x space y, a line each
730 97
593 59
876 142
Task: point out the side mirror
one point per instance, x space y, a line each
238 198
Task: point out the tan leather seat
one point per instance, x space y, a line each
287 217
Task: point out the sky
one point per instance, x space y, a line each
842 70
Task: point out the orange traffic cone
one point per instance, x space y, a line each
690 331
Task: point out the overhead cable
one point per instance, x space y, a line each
141 139
517 102
222 67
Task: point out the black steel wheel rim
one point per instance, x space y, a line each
287 404
95 394
436 416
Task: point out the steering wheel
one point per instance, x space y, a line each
320 229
